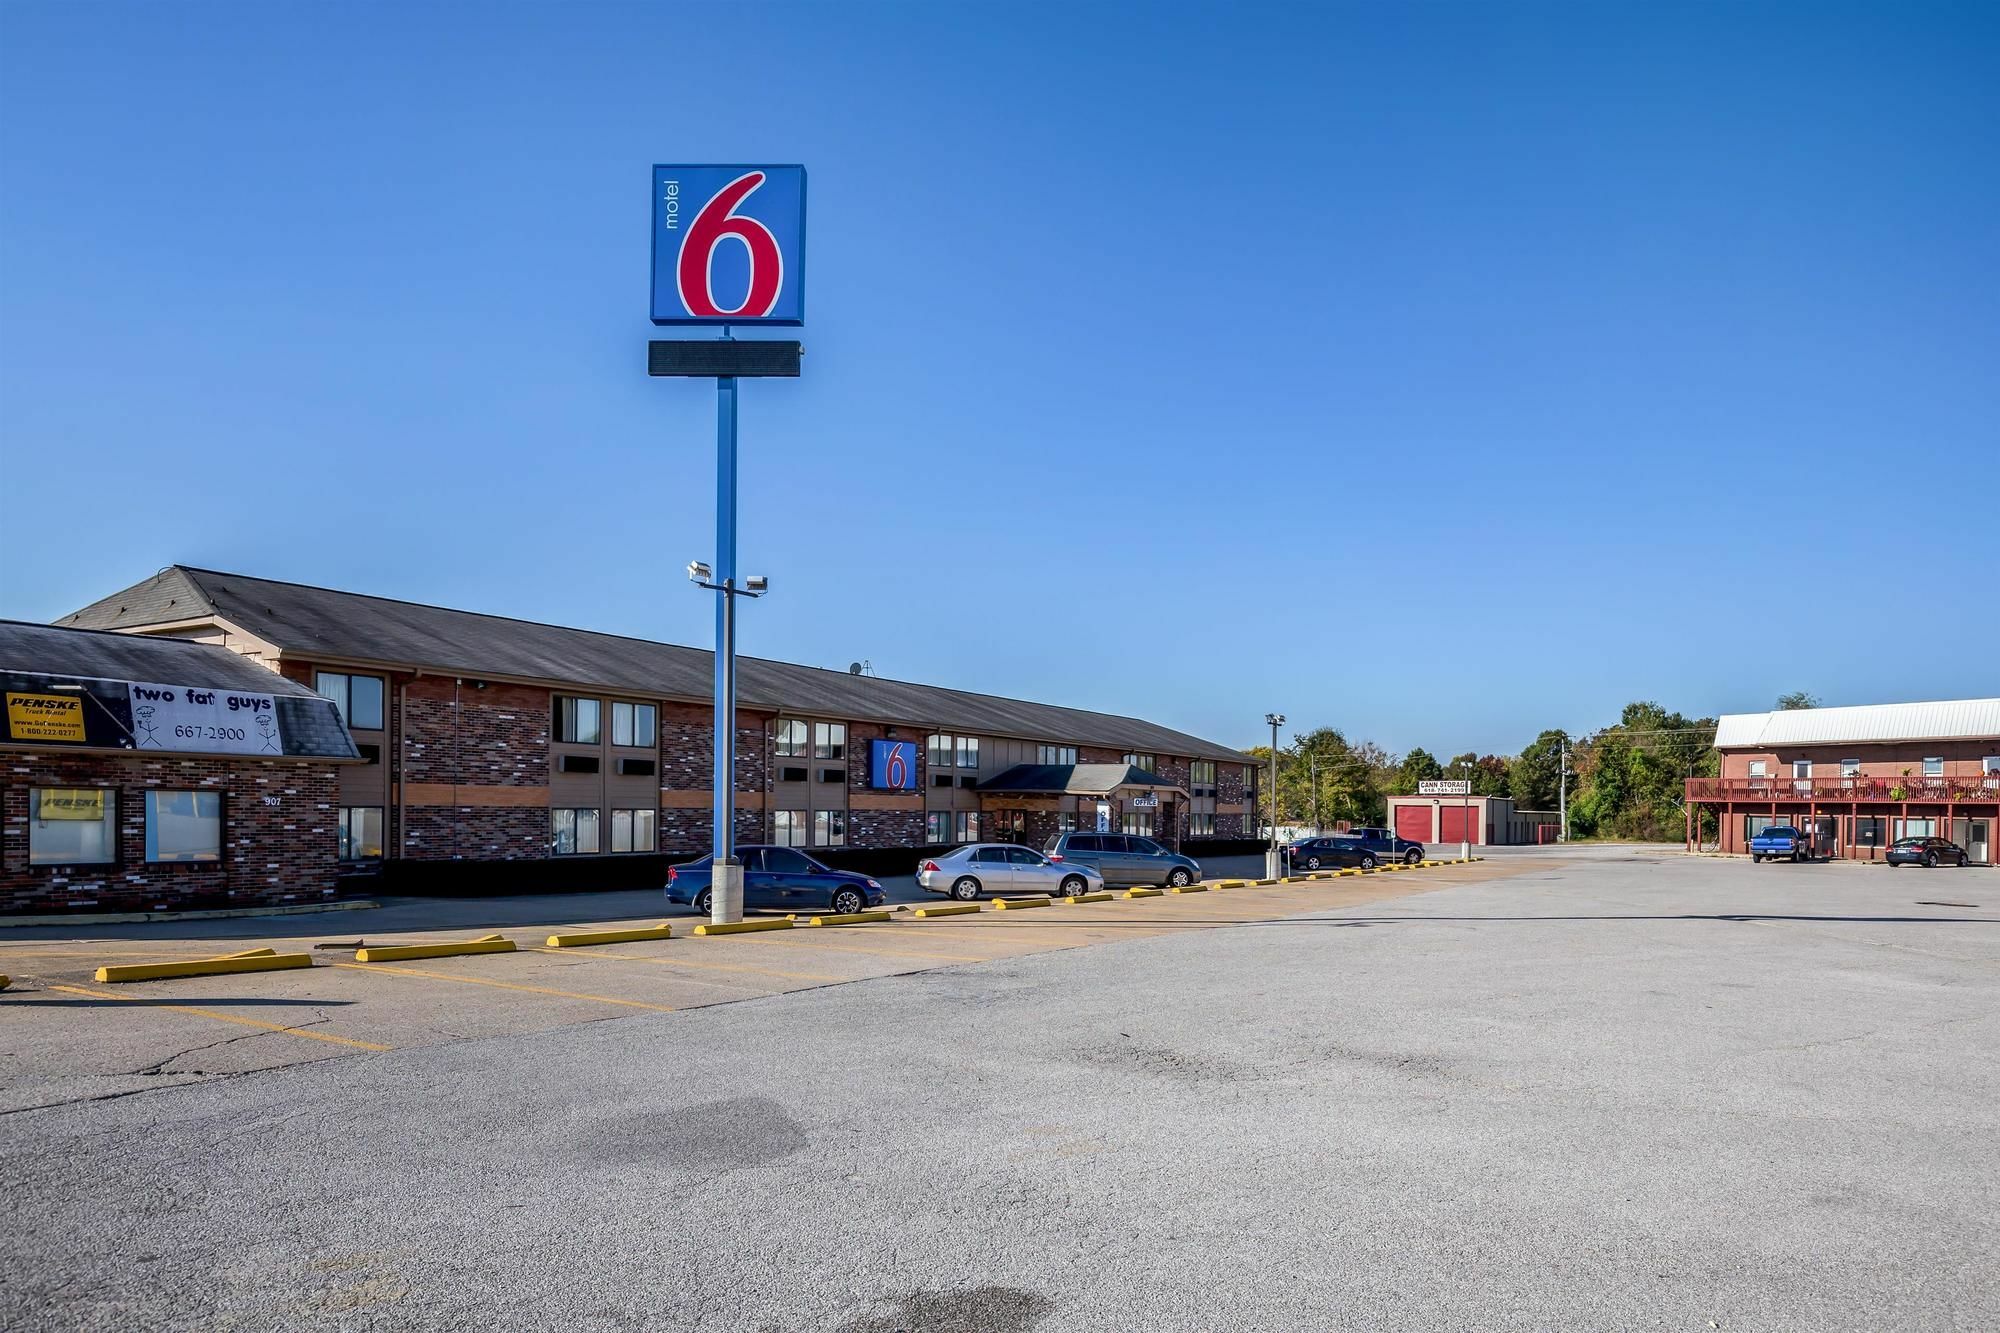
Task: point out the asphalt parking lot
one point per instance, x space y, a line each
1590 1088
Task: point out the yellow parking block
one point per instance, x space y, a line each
250 960
850 918
1145 893
1189 888
743 927
1075 898
1262 882
1018 904
1232 884
1349 871
663 931
396 952
957 909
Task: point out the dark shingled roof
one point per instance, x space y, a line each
31 655
303 621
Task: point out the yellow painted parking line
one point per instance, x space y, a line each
598 956
704 965
223 1018
507 985
816 941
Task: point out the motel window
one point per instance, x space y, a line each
1757 769
792 739
1933 767
1916 828
72 826
788 828
1201 826
1066 822
633 724
829 740
359 698
360 832
829 828
1754 825
632 830
1850 768
1801 768
1139 822
1871 831
965 826
183 826
1055 754
937 827
1144 761
938 747
1201 777
968 752
1990 766
576 832
579 721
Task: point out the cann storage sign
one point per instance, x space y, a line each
729 244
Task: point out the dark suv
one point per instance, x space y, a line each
1124 858
1383 844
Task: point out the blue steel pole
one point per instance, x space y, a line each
725 645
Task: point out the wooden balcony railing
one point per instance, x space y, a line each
1869 788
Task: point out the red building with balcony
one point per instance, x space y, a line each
1857 779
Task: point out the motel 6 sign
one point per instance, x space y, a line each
729 244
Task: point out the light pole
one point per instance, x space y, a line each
726 878
1562 787
1272 866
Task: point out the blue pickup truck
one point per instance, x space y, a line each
1781 842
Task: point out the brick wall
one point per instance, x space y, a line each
280 834
495 737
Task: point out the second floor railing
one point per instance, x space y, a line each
1861 788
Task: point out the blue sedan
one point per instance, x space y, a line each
784 879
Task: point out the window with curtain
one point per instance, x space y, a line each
183 826
579 721
576 832
359 698
632 724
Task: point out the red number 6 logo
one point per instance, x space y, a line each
717 221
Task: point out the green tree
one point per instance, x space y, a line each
1419 765
1532 777
1797 699
1321 776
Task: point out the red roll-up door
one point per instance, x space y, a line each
1413 822
1455 820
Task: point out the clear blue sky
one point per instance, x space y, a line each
1160 360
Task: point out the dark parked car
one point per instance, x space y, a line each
1329 853
784 878
1385 845
1932 852
1124 858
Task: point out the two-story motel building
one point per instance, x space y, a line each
488 738
1858 778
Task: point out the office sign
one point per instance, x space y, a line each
892 765
46 717
729 244
1151 802
1444 787
186 717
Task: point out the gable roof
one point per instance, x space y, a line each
1946 720
308 622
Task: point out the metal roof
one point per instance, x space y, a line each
309 622
1946 720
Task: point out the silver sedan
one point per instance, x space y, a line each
1002 869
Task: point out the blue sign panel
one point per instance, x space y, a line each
892 765
729 245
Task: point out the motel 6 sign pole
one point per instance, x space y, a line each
728 249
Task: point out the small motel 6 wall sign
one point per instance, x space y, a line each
729 245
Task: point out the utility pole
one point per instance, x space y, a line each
1312 767
1562 786
1273 862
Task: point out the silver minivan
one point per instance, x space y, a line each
1124 858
